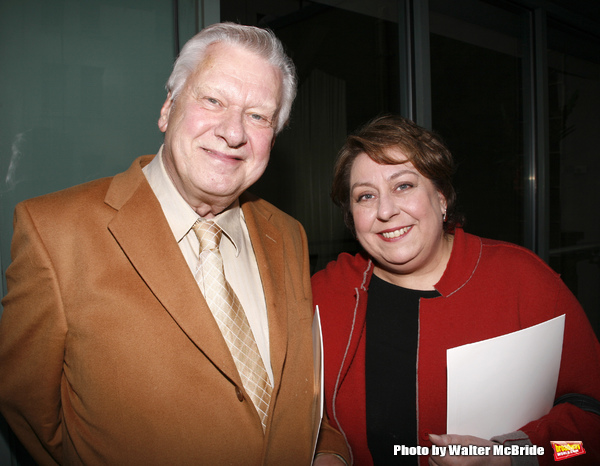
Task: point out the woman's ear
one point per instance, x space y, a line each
443 205
443 202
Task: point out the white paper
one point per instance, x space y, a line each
318 376
498 385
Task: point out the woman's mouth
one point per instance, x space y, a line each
395 233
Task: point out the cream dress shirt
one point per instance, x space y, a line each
239 261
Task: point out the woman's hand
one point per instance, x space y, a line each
465 440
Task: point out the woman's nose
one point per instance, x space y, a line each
387 208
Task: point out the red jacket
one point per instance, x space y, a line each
490 288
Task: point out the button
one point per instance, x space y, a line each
239 394
425 436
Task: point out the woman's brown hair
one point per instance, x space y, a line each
423 148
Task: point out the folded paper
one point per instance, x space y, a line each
498 385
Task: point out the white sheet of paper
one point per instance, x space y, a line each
318 374
498 385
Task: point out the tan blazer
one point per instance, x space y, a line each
110 355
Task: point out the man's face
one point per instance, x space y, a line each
220 129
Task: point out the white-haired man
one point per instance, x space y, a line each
114 346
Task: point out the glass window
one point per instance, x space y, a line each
347 62
477 107
574 94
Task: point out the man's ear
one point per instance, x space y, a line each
165 111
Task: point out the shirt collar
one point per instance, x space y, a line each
230 222
178 212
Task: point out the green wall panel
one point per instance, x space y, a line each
81 85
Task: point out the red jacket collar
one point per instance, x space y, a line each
466 252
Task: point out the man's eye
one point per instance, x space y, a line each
260 119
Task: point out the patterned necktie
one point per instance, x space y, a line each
231 318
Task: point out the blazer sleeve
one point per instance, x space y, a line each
32 335
330 441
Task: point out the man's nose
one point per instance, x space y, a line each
232 129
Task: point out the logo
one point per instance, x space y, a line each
564 450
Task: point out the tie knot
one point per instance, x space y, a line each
208 233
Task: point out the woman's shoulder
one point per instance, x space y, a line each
345 263
348 270
513 259
338 288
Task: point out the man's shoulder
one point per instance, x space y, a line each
249 201
59 215
89 193
69 197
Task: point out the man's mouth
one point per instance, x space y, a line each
222 155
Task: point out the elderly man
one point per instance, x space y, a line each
163 316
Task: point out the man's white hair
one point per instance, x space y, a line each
263 42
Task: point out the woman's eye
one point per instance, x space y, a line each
364 197
403 186
212 100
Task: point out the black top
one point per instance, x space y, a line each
391 369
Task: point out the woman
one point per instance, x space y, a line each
421 286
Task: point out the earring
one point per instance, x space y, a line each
444 216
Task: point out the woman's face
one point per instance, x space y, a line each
398 216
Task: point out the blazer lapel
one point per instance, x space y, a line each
144 235
268 248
